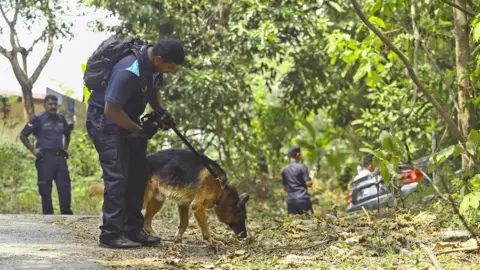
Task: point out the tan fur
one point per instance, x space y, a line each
199 197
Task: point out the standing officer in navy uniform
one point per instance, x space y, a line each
49 128
114 127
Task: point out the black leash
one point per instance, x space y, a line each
198 154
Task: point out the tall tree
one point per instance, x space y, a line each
462 52
31 14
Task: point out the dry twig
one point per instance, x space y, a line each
433 258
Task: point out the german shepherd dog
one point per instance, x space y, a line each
180 175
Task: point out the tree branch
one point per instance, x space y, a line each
44 61
411 72
469 13
4 15
44 33
416 35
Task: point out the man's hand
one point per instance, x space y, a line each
37 152
309 183
166 120
138 139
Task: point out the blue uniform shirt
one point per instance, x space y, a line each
48 129
125 88
295 176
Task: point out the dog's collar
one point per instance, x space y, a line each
222 185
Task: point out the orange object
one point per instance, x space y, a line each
411 176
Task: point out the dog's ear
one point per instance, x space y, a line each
243 199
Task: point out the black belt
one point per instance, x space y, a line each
55 152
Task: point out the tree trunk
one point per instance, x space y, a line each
462 50
28 101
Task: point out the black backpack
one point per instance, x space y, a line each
109 52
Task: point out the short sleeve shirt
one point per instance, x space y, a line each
295 176
48 130
126 89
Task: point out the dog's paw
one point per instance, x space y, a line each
177 239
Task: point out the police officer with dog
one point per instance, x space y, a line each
50 128
114 125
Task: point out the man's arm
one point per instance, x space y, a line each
119 117
30 127
67 132
284 181
119 89
306 177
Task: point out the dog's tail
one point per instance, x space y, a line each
96 189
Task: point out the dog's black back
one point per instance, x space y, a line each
177 167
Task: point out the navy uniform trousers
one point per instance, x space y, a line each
51 166
125 175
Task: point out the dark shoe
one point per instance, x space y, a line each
119 242
143 238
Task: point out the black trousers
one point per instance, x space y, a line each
54 167
125 176
299 207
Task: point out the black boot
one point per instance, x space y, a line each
143 238
119 242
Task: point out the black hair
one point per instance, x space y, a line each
367 161
293 151
50 97
170 50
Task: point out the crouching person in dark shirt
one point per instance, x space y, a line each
295 181
49 128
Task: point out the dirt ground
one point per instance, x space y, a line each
389 241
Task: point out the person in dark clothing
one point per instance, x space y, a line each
113 125
295 181
49 128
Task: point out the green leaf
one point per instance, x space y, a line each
476 181
474 136
470 147
444 153
464 204
377 21
476 33
395 162
458 151
349 56
473 201
366 150
385 172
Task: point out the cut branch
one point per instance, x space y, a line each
469 13
452 126
5 53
